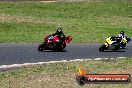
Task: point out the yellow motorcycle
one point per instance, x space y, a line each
112 43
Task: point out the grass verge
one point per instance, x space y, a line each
62 75
89 21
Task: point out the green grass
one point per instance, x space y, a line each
63 75
91 21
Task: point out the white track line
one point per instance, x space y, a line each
49 62
121 57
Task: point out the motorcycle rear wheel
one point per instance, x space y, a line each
61 47
117 47
123 45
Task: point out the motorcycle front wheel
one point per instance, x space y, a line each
102 48
41 47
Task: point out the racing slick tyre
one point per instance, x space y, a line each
61 47
117 47
102 48
41 47
123 45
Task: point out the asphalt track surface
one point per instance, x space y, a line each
28 53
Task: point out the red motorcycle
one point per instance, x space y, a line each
52 43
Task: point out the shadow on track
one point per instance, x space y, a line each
53 51
112 51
